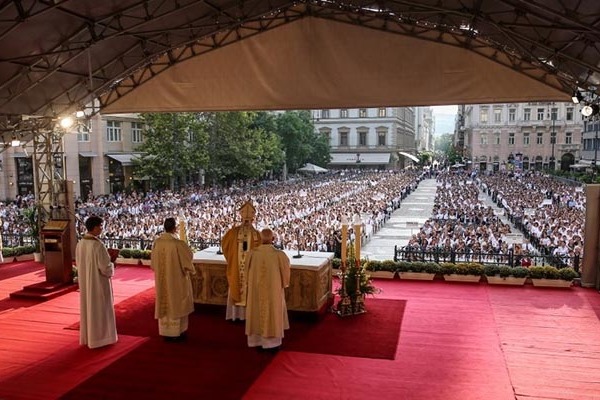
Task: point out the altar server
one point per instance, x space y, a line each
268 276
172 263
95 270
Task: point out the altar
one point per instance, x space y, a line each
310 281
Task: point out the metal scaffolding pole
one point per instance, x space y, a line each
49 173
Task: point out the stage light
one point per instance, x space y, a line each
80 114
15 143
66 122
577 97
590 110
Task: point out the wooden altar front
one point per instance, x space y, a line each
310 282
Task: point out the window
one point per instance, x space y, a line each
540 114
344 113
113 131
362 113
497 115
362 138
483 116
512 115
324 113
511 138
83 132
381 112
569 138
136 132
326 132
552 137
497 138
343 138
554 113
540 138
526 138
569 113
381 138
526 114
484 139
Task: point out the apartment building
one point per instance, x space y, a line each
534 135
372 138
98 157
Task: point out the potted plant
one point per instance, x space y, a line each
126 257
381 269
31 216
462 272
424 271
505 275
146 256
548 276
335 263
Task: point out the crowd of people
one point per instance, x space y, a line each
550 213
306 212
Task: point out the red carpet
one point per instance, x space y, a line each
379 328
10 270
216 358
371 335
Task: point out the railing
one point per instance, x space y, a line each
16 240
510 259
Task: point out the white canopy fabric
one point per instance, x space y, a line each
126 159
315 63
360 158
408 155
315 169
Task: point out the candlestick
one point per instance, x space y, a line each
344 239
356 222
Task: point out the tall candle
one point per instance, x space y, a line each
356 222
344 238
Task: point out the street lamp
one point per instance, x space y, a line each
595 144
553 141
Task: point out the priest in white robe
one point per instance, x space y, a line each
171 261
268 276
95 270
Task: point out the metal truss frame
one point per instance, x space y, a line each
48 164
547 41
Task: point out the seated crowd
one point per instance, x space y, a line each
305 212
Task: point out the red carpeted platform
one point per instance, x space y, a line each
455 341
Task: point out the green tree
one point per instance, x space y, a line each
300 142
174 148
240 146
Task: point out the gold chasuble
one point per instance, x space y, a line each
236 244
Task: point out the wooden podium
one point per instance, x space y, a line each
56 245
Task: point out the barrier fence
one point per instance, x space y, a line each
510 259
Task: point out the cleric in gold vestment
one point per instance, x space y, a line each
236 244
171 261
268 276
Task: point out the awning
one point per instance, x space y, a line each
408 155
88 154
359 158
126 159
20 155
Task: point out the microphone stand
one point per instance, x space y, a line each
298 241
220 251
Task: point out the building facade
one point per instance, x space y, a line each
368 137
537 136
425 129
98 156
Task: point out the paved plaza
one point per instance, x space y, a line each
407 220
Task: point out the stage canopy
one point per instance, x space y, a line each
128 56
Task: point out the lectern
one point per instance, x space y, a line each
56 241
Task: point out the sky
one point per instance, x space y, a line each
444 119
